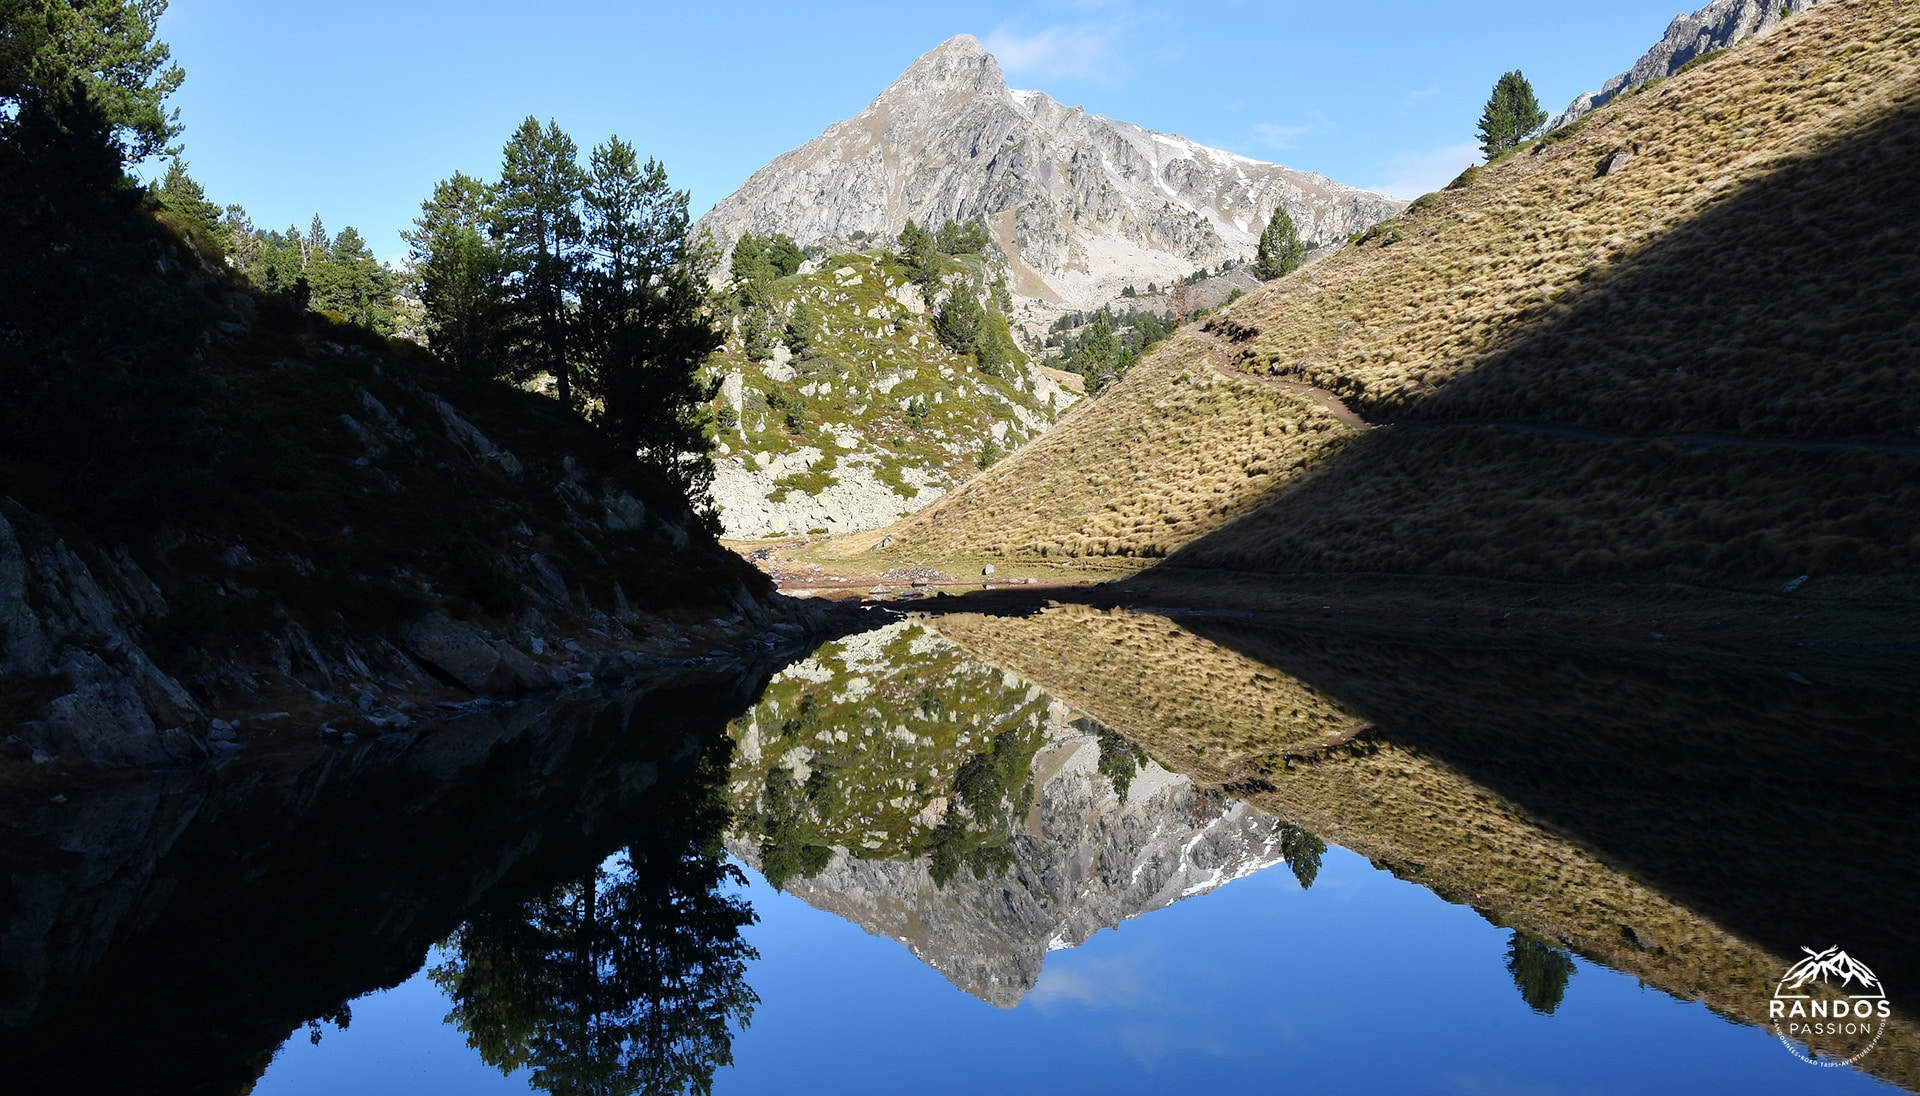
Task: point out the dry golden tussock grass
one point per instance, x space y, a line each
1174 452
1749 268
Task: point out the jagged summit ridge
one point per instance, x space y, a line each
1715 27
959 63
1080 204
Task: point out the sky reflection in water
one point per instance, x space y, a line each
1363 984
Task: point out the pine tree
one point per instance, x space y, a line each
748 264
643 312
1511 116
783 255
460 274
803 330
537 219
958 321
1097 358
349 281
104 48
184 204
1280 251
921 256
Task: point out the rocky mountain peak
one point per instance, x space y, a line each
1080 205
960 63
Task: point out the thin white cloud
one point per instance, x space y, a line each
1412 174
1080 53
1277 136
1095 983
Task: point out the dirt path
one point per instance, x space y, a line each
1220 353
1222 357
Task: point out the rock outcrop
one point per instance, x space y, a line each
180 643
876 419
1715 27
68 638
1081 205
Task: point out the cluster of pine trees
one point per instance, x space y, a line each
581 274
757 263
970 314
584 274
1101 346
337 275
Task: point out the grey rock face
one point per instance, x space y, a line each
1087 861
61 621
1714 27
1081 205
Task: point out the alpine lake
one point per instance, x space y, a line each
1058 848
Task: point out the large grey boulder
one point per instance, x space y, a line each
458 650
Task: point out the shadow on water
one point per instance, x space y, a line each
167 934
1781 808
1694 819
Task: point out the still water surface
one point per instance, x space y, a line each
1071 851
1363 984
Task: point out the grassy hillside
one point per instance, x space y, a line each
1730 252
873 396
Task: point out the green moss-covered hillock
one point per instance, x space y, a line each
891 745
861 379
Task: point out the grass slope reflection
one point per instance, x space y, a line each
1691 821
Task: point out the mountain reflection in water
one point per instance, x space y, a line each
982 789
894 780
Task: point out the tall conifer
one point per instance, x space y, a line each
1280 251
538 221
460 274
1511 116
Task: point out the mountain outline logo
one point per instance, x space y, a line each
1826 966
1829 1009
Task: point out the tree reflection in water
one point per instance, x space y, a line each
630 979
1540 972
1303 850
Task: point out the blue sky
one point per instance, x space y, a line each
353 108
